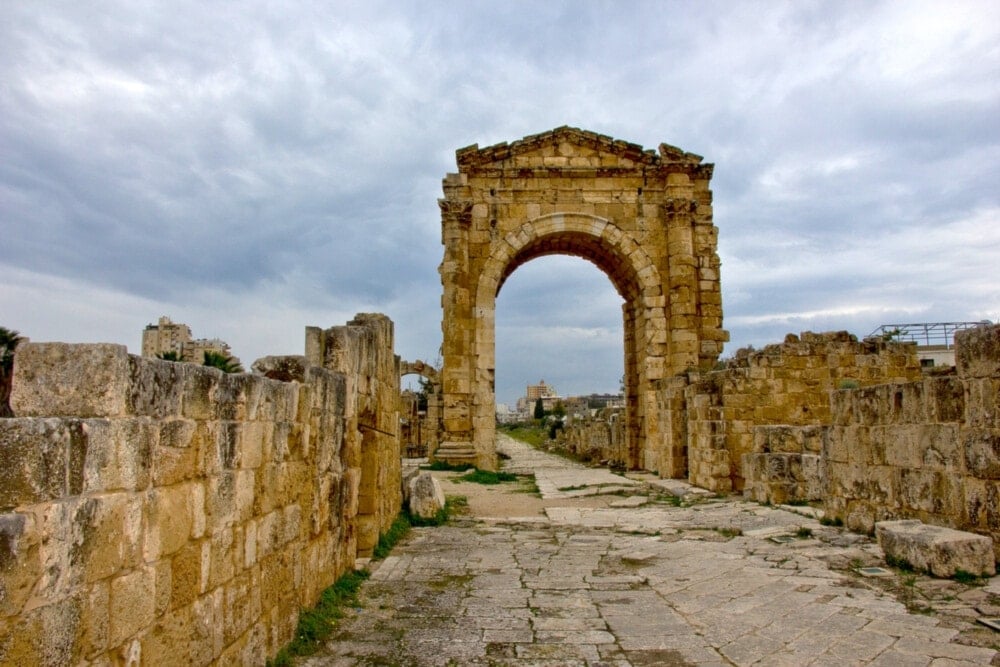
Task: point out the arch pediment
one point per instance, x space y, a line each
570 147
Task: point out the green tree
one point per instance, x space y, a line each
426 387
539 409
169 355
223 362
9 340
559 410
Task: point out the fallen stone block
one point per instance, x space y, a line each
426 496
935 549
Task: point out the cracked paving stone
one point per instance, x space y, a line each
576 587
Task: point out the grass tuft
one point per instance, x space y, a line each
964 577
729 531
316 624
397 531
478 476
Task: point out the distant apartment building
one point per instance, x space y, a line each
540 390
167 336
546 392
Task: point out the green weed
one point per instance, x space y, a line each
729 531
963 577
397 531
316 624
478 476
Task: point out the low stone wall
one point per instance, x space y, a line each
715 413
596 439
927 450
165 513
786 464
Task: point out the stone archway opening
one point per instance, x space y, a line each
642 217
558 320
420 416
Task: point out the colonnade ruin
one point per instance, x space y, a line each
154 512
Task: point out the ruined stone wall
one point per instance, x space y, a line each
927 450
786 464
363 352
715 413
164 513
596 439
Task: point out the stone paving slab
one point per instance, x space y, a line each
650 585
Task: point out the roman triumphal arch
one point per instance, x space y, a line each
643 217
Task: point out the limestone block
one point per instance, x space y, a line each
59 379
941 446
183 637
116 454
230 397
21 561
175 457
945 399
930 491
34 458
132 604
426 496
197 397
226 549
813 477
155 387
242 605
977 352
982 452
189 573
935 549
983 405
169 520
47 635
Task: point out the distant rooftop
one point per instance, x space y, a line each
924 334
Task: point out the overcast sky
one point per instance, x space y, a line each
253 168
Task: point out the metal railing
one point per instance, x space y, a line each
924 333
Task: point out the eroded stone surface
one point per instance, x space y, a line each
426 496
941 551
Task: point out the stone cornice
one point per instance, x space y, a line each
473 156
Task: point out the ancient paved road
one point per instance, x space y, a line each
648 584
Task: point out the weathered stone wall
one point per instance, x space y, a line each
927 450
169 514
600 438
715 413
786 464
